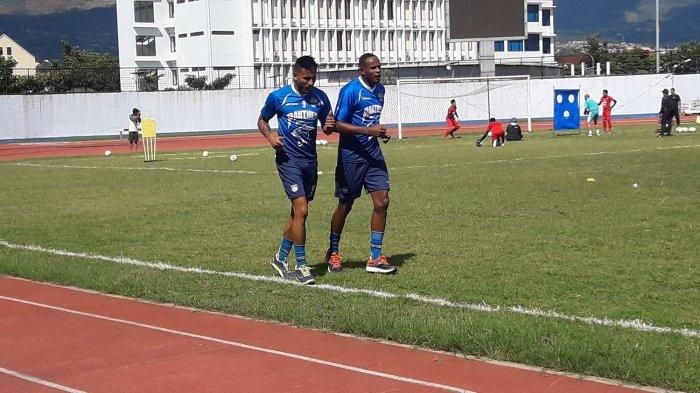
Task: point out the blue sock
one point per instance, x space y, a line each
285 248
375 244
300 251
335 242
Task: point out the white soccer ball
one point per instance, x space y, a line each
635 185
489 134
232 157
324 142
681 129
205 153
108 153
691 129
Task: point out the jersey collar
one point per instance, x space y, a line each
362 81
294 89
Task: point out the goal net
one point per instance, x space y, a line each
424 102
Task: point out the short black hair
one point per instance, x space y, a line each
305 62
605 90
453 102
135 111
492 120
363 59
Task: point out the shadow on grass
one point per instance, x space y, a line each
321 269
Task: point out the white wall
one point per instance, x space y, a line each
67 115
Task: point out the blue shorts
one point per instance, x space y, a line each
298 177
350 177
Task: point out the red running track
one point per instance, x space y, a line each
82 341
21 151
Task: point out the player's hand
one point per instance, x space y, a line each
329 125
378 131
276 141
386 138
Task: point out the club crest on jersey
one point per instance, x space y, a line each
313 102
303 104
380 96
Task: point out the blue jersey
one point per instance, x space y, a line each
359 105
298 117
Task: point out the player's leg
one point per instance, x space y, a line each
455 128
377 184
301 273
348 187
589 120
480 140
678 117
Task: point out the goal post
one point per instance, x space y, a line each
424 102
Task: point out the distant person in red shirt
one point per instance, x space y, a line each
498 134
452 120
607 103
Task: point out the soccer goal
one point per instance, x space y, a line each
425 101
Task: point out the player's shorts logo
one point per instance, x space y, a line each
344 190
294 188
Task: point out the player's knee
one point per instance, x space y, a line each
381 203
301 211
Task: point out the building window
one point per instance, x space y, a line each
284 8
172 44
390 9
546 45
196 33
174 73
302 9
499 46
533 13
546 17
0 51
532 44
9 51
171 9
381 9
339 40
391 40
515 45
303 41
220 32
143 11
284 40
347 9
348 41
430 10
145 45
432 41
183 35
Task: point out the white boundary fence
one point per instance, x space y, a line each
32 117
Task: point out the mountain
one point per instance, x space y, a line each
628 20
39 25
92 29
40 7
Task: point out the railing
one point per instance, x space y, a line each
87 80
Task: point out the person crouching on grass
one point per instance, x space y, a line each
498 135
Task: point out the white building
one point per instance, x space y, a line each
258 40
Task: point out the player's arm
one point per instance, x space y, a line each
326 118
614 102
267 112
343 117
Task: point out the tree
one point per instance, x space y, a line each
597 50
82 70
686 60
7 78
635 61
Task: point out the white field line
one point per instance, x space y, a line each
38 381
635 324
244 346
461 164
127 168
199 157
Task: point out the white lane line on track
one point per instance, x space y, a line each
38 381
244 346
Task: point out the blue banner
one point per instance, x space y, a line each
566 110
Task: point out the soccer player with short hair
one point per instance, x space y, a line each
498 134
608 103
592 112
298 107
361 162
677 105
452 119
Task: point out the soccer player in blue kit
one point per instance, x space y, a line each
298 107
361 162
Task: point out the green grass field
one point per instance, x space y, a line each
516 226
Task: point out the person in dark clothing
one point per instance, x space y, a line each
666 113
513 131
677 102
